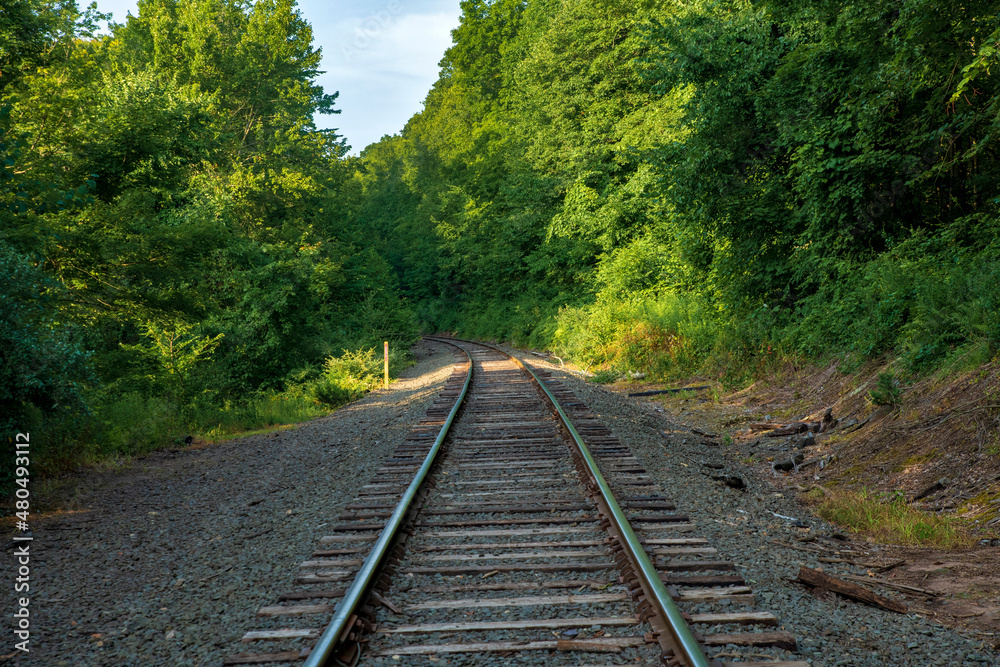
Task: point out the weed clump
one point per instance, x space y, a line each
888 518
605 376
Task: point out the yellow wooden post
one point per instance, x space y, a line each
386 343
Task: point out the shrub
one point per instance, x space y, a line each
353 374
43 368
886 391
665 335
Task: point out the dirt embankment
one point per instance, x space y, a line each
935 444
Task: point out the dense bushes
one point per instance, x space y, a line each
128 423
647 186
667 335
701 187
174 241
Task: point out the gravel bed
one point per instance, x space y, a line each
166 561
742 525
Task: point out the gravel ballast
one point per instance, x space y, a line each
167 560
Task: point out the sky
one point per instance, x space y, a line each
381 55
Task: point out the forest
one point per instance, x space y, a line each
675 188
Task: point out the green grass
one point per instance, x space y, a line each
888 519
260 414
134 423
665 336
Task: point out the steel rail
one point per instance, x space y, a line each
657 594
340 625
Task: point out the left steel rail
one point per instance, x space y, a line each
341 623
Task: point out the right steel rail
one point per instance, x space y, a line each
657 594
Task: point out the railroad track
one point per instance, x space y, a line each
512 527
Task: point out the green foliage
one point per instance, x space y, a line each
665 336
42 364
180 225
988 55
644 185
262 411
704 188
353 374
886 391
43 367
173 353
605 376
133 424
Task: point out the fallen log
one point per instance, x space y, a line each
764 426
823 580
792 429
669 391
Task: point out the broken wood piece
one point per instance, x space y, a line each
261 658
784 640
790 429
512 625
764 426
885 583
823 580
668 391
939 485
596 644
810 463
385 602
885 568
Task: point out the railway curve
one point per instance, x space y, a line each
512 527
